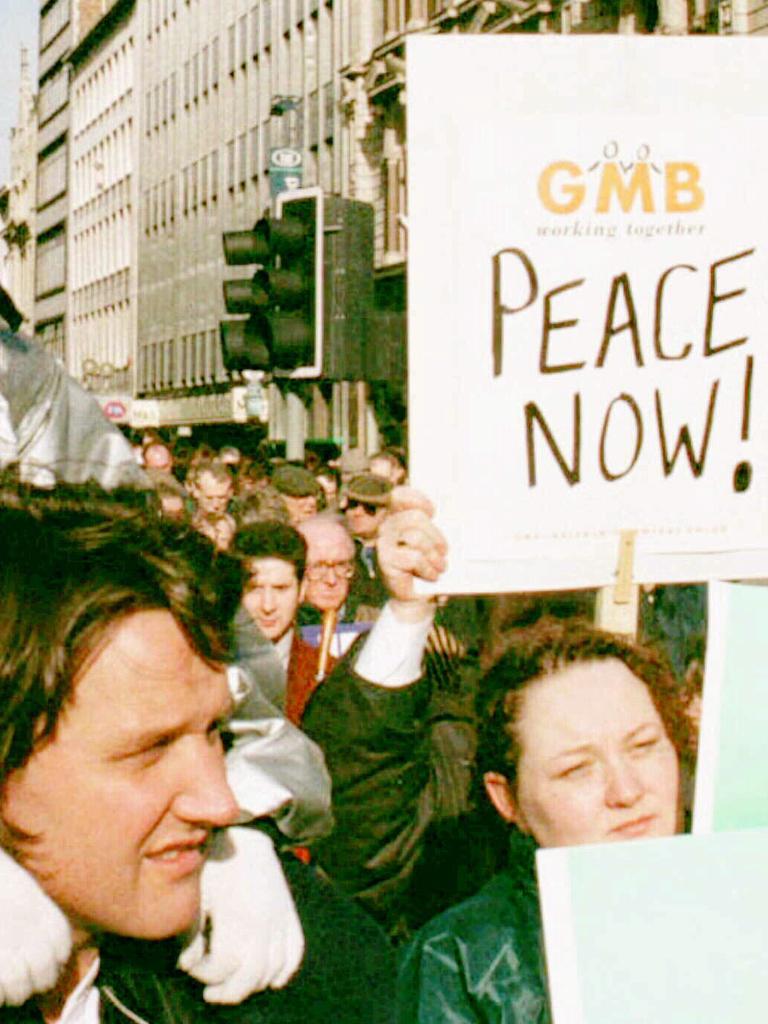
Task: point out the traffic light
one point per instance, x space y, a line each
310 301
283 299
347 288
244 342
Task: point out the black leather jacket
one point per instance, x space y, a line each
347 976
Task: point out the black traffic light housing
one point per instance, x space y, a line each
310 302
243 341
283 299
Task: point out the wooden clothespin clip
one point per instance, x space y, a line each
622 591
618 605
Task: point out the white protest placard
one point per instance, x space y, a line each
732 766
588 311
669 931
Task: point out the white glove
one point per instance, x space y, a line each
254 938
36 942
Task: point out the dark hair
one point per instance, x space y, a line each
548 647
272 539
74 563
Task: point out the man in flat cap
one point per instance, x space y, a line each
367 505
299 490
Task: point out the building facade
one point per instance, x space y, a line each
224 83
17 204
102 251
156 122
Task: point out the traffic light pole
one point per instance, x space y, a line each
295 432
294 436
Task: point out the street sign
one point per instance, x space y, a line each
286 169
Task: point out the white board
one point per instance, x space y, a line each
664 930
587 305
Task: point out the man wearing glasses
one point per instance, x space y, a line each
330 566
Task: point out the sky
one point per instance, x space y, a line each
19 21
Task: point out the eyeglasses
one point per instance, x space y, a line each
371 510
343 570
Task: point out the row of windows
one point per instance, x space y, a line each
197 185
251 149
98 295
247 38
190 361
159 209
159 12
52 22
106 163
53 96
52 176
160 104
51 264
112 199
101 250
103 87
103 342
201 72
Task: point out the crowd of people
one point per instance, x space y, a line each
249 771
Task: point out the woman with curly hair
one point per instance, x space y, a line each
583 736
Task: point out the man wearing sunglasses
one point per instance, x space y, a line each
366 509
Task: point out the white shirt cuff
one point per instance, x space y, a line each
393 651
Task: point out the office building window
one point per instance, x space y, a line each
231 165
215 62
231 49
213 163
255 33
242 40
242 160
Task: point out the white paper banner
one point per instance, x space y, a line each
587 305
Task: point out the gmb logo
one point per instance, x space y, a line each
613 184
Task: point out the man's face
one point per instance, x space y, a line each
300 508
157 456
123 798
212 494
364 519
329 566
272 596
172 507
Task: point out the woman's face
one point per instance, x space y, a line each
596 764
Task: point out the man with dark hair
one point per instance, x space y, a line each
114 689
274 556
